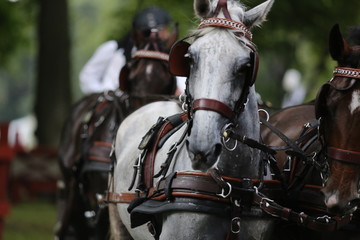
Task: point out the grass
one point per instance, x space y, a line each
31 220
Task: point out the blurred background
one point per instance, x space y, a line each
45 43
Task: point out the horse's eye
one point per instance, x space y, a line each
242 69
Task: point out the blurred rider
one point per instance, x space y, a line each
101 72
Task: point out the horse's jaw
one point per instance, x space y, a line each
341 190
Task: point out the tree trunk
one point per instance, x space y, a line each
53 88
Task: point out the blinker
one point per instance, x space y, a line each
179 64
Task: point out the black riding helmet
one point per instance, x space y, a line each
151 17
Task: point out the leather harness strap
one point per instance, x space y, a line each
323 223
342 155
149 161
213 105
100 151
200 185
222 5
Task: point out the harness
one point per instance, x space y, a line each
211 192
338 154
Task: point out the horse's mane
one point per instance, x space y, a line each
354 35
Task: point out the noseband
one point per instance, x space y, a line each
338 154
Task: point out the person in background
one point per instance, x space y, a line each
295 90
101 72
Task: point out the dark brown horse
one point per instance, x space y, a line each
332 159
86 143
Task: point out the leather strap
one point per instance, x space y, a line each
222 5
149 160
342 155
213 105
100 152
112 197
323 223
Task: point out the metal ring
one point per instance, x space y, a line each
222 194
228 148
225 140
107 95
235 222
182 97
184 107
266 113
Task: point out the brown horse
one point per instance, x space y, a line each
332 159
86 143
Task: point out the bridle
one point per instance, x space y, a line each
144 53
338 154
179 65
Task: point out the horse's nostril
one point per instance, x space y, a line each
199 157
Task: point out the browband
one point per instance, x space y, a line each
226 23
151 54
346 72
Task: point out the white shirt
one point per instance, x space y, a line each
101 72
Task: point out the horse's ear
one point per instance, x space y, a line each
202 8
257 15
173 37
338 47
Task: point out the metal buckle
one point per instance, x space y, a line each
265 201
287 167
325 218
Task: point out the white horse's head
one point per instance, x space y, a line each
221 63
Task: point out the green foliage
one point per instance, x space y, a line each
14 24
296 36
17 51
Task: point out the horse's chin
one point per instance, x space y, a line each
202 163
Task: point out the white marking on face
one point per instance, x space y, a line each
149 69
332 200
355 101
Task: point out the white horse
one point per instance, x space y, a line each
220 93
